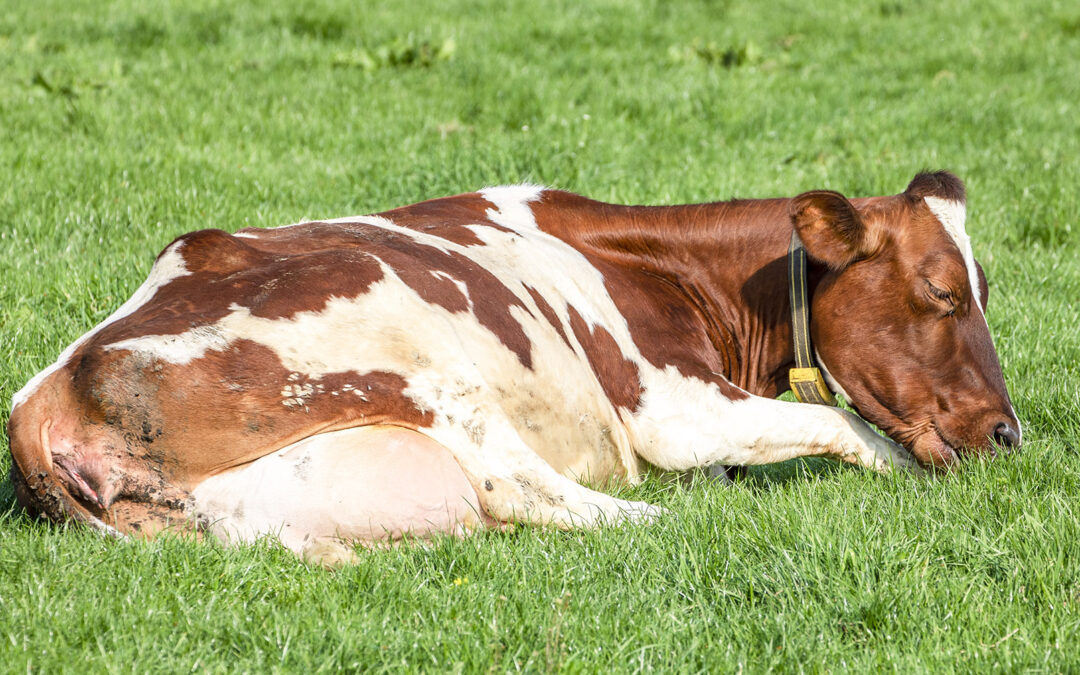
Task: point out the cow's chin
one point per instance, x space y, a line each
932 450
920 437
918 434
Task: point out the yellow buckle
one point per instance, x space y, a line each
809 386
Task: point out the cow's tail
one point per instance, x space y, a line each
38 487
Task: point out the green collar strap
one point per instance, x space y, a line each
805 378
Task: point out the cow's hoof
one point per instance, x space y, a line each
641 512
897 459
329 553
614 512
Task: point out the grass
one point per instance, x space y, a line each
126 124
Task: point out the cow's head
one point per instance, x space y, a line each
898 318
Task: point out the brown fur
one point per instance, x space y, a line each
617 375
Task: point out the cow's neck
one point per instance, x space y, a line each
727 261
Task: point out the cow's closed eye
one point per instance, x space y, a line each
941 297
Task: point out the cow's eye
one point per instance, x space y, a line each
943 297
939 293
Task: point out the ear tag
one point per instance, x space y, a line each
809 386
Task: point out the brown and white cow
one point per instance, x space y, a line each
476 359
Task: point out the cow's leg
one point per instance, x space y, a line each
543 497
805 430
515 484
763 431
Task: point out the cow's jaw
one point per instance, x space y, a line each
924 440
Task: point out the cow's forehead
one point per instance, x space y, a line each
952 215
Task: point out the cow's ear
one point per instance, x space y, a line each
984 287
831 229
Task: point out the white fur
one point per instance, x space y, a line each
365 483
687 423
952 215
180 349
169 266
512 205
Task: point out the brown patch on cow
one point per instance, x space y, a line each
275 407
618 376
302 283
451 218
239 404
216 252
437 287
941 184
665 282
429 271
300 268
227 272
548 313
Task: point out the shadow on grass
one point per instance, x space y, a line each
772 475
763 478
10 511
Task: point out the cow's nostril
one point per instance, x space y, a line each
1006 436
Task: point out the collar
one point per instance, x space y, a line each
805 378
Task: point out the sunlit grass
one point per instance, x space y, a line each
126 124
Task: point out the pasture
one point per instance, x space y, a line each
126 124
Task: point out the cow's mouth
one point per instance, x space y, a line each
932 449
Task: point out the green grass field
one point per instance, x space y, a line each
125 124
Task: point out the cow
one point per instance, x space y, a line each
481 360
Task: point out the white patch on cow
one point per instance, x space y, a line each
181 348
297 395
377 221
689 423
398 482
559 273
246 235
952 216
512 205
169 266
